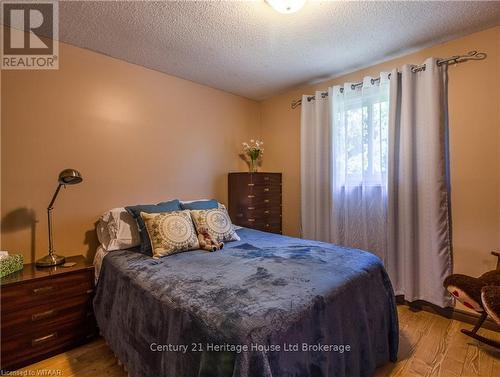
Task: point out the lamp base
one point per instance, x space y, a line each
50 260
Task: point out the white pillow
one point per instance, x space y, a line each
117 230
192 201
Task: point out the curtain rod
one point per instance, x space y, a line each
471 55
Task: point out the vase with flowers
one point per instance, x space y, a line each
253 152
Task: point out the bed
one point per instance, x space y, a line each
265 306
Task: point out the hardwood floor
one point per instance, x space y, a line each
430 345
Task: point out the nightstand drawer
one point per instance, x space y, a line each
44 342
36 318
41 291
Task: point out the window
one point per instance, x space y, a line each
360 135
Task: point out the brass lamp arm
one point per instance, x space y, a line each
49 218
51 204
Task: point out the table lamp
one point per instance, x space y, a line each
66 177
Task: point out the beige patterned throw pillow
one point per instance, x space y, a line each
170 232
217 222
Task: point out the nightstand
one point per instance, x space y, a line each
45 311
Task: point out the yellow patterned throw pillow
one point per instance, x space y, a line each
216 222
170 232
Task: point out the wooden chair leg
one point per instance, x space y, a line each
473 333
480 322
482 339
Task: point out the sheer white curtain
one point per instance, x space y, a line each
344 165
360 116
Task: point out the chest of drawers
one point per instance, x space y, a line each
255 200
45 311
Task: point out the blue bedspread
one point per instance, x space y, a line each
302 308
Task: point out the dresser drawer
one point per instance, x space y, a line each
259 222
265 190
260 211
272 228
42 291
263 197
36 318
267 178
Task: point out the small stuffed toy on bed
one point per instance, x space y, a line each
467 289
207 242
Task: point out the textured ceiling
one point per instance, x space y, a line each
249 49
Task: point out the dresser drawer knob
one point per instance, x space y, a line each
251 220
266 189
89 291
45 338
266 178
267 225
251 196
266 200
42 315
266 212
43 290
251 184
251 208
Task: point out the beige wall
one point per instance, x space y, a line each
474 104
136 135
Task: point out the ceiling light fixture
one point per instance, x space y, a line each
286 6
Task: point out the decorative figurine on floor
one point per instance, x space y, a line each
207 242
481 294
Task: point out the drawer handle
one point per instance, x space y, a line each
89 291
266 212
267 225
239 215
251 184
42 315
251 208
266 200
45 338
43 290
266 178
251 196
266 189
251 220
